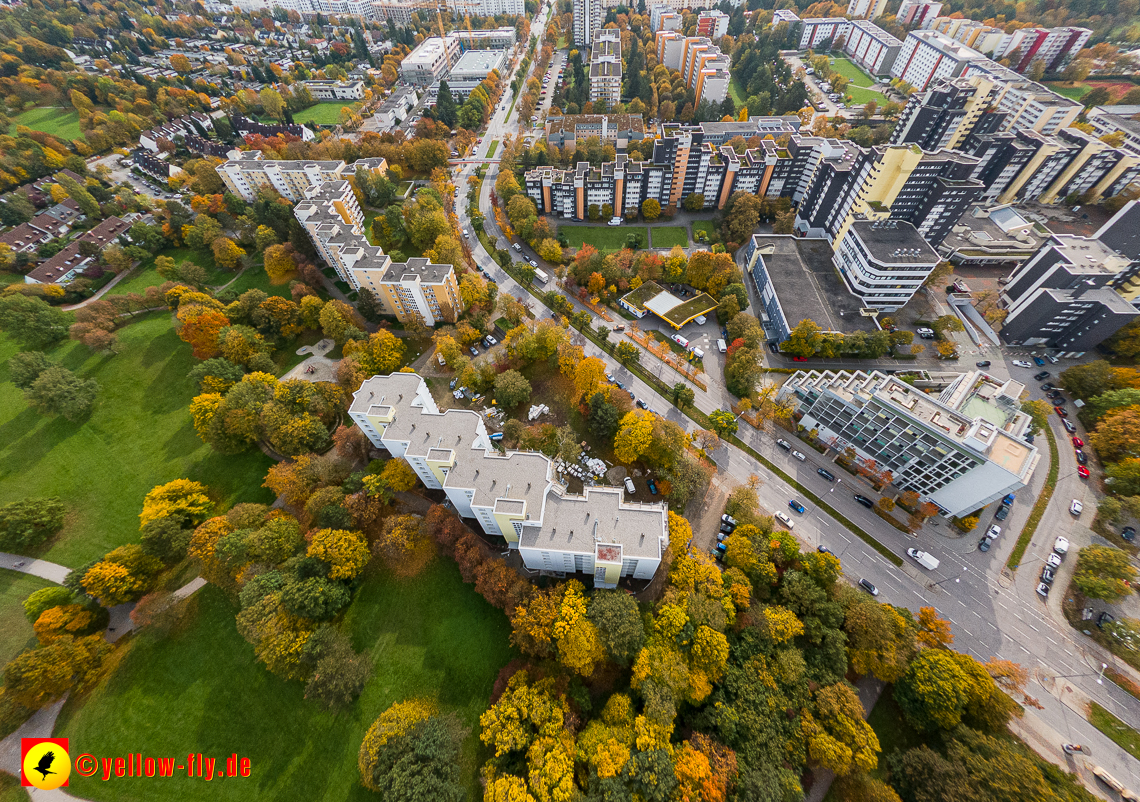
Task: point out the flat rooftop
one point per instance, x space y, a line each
570 523
1002 230
808 287
895 242
478 62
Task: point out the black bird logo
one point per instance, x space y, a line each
44 766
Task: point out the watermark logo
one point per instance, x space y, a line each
44 763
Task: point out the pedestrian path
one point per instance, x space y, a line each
53 572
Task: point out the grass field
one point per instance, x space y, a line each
604 238
1077 91
428 637
322 113
255 278
491 150
1123 735
707 226
668 236
146 276
859 88
737 92
1073 92
15 631
139 435
53 120
11 790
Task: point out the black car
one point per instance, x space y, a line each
866 502
1104 618
1047 576
823 549
1081 458
984 364
727 529
1042 375
784 444
828 475
641 404
1046 387
1128 534
1002 512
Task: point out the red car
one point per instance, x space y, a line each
1078 442
799 359
1082 472
1061 411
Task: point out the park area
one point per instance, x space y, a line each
604 238
668 236
321 114
139 435
859 89
54 120
1078 89
429 637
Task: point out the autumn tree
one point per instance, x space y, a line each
1117 436
182 499
404 545
346 552
37 677
522 714
634 435
279 264
579 647
411 753
1104 572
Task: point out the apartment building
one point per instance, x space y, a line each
917 13
496 39
862 41
1023 103
431 61
866 9
784 15
487 8
517 495
605 68
336 90
1117 120
712 24
249 173
244 126
948 112
397 12
928 55
705 69
883 262
664 18
992 236
960 450
1075 292
1055 47
896 182
670 48
587 21
412 290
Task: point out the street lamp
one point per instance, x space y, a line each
837 483
956 579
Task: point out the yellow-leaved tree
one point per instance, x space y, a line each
579 647
634 436
346 552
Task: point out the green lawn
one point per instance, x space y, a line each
1123 735
139 435
53 120
1072 92
145 275
255 278
707 226
861 97
668 236
491 150
11 790
852 72
604 238
202 691
322 113
737 93
15 631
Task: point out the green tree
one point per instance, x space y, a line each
339 673
414 761
24 368
626 352
604 418
804 340
694 202
683 395
723 422
1083 381
618 620
1104 572
32 322
58 391
933 693
511 389
45 599
1124 476
26 524
1039 412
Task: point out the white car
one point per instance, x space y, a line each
994 531
799 455
629 485
785 520
1061 546
1053 560
1022 364
1076 507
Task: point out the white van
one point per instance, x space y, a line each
614 221
517 247
721 346
540 276
697 352
681 341
925 559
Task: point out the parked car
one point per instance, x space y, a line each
869 587
1076 507
822 549
866 502
629 487
1021 363
1061 546
795 505
799 455
474 351
1128 534
983 364
1053 559
1078 442
993 532
1002 512
1082 472
828 475
726 529
785 520
984 544
1061 411
1042 375
1081 458
652 487
1009 498
1042 590
1046 387
1047 576
1038 361
784 444
1069 426
641 404
728 519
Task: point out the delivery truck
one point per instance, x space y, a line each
923 558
